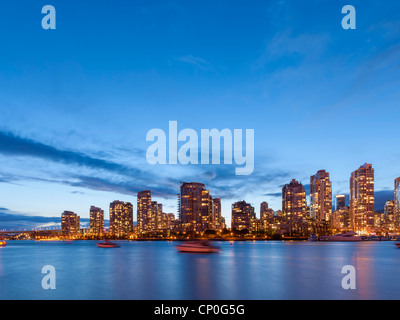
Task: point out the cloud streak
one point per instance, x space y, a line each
13 145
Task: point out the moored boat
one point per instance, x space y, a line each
398 245
197 247
3 243
107 244
312 237
345 237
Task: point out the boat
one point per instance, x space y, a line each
312 237
3 243
107 244
197 247
344 236
397 244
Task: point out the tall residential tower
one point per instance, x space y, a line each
321 196
362 198
96 220
294 205
121 218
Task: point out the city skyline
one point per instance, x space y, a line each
74 121
196 204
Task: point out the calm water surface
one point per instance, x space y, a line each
242 271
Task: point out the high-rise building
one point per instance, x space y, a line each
242 215
294 205
207 206
340 201
397 202
161 217
266 215
389 207
321 196
121 218
70 223
195 207
170 220
341 219
153 222
334 221
362 198
216 214
96 220
144 212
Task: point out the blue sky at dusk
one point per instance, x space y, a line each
77 102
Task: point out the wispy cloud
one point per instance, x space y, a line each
197 62
104 175
287 50
13 145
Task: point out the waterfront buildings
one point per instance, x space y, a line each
362 198
150 216
294 206
200 212
341 219
397 201
321 196
121 218
190 204
144 212
242 215
267 215
389 207
70 223
96 220
197 208
216 214
340 201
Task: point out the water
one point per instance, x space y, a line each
242 271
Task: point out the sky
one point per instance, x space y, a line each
77 102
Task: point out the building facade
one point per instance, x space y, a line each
321 196
70 223
216 214
96 220
294 206
397 201
362 198
195 207
121 218
144 212
267 215
340 201
242 215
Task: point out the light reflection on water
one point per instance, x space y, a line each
242 271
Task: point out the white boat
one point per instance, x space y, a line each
197 247
344 236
